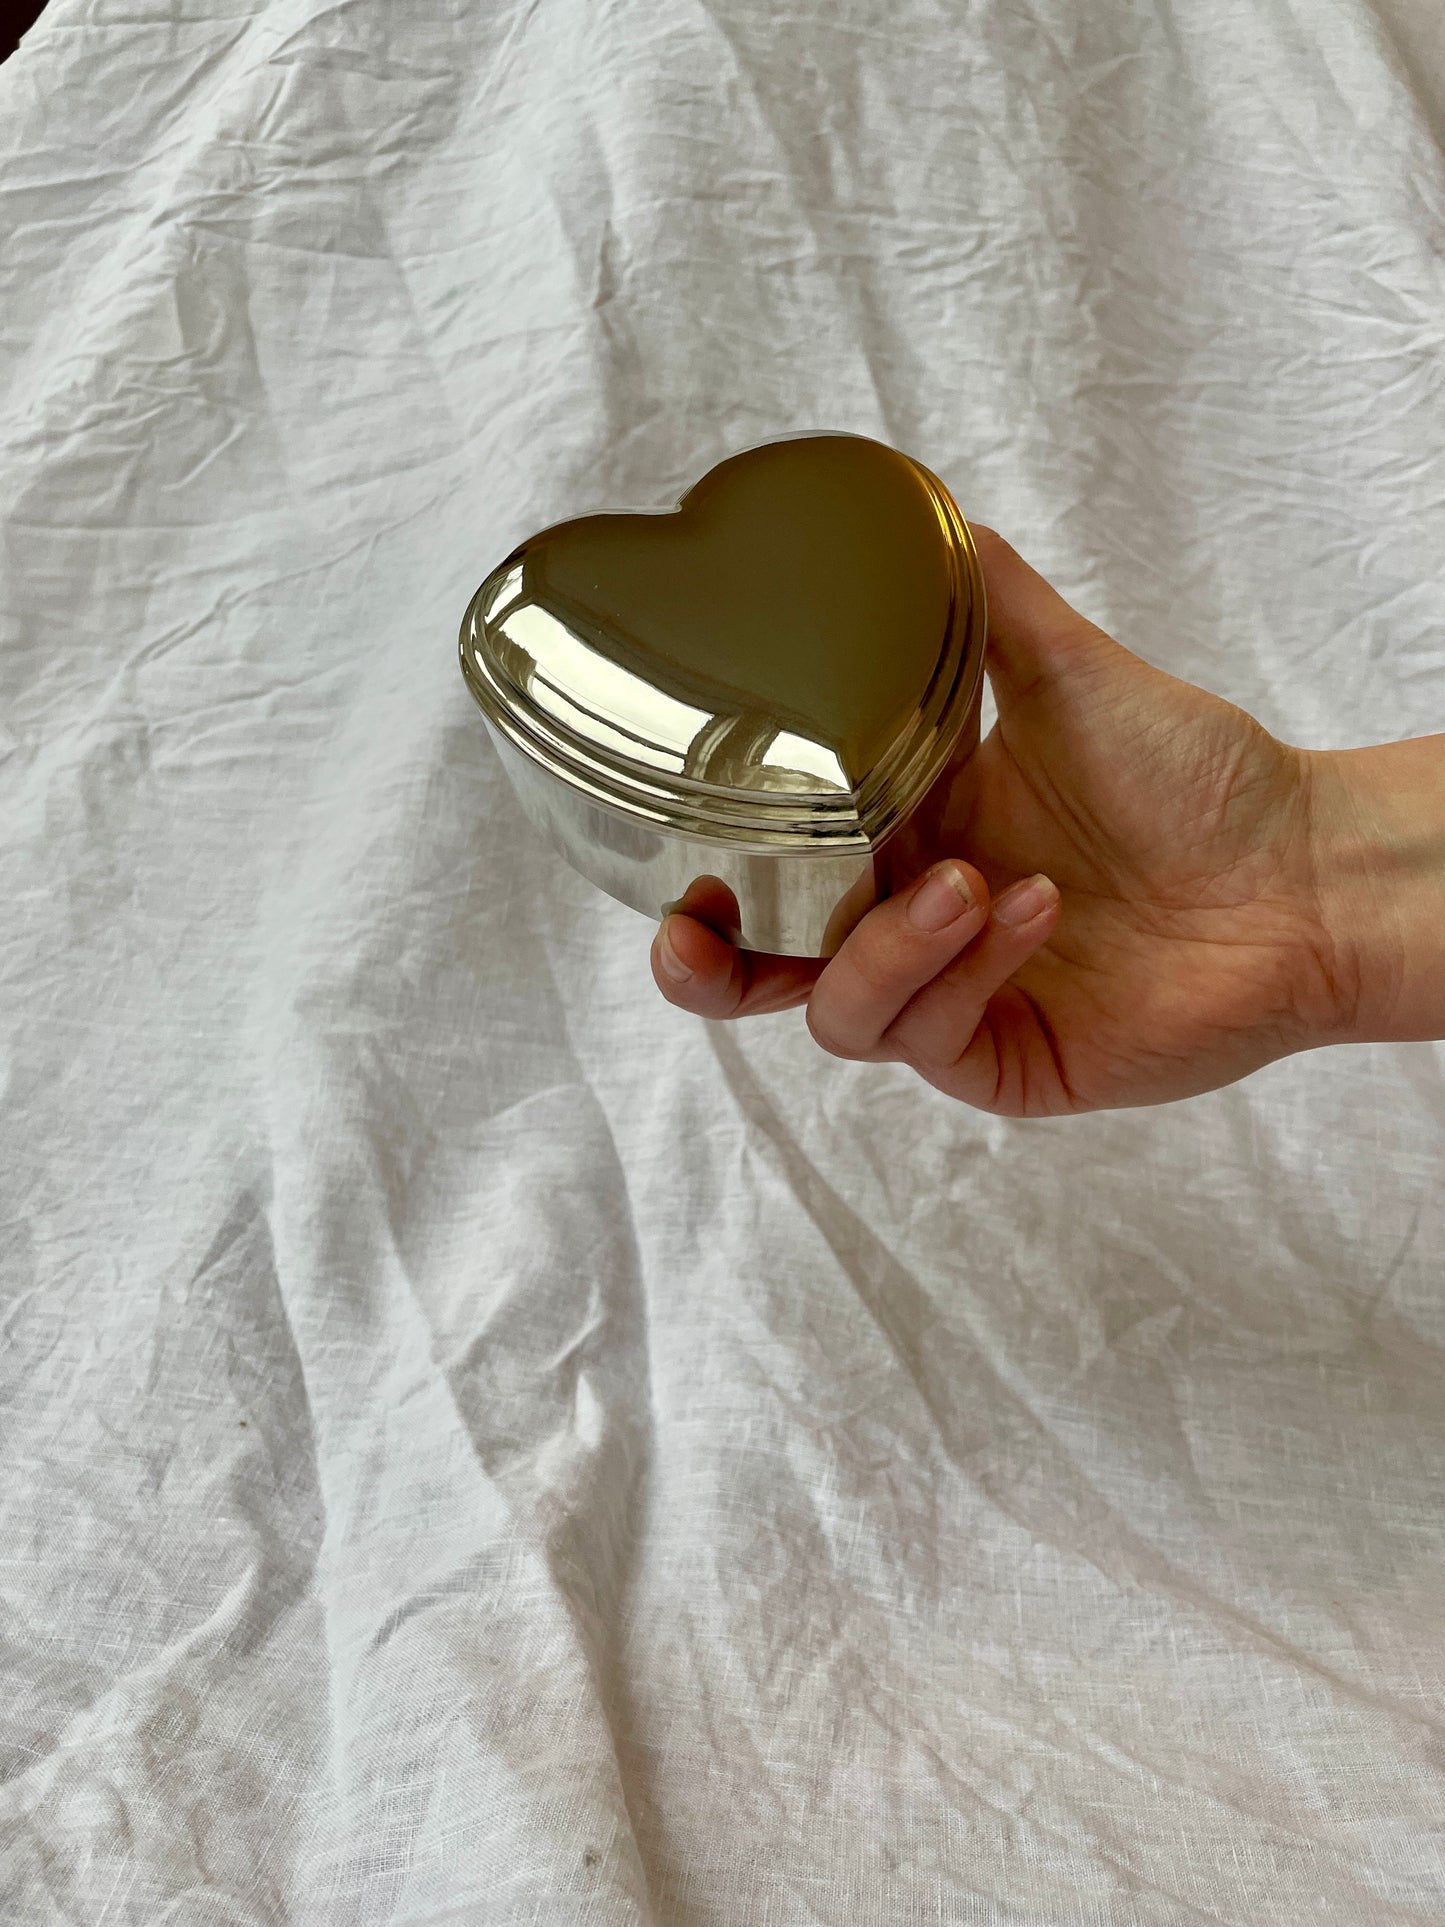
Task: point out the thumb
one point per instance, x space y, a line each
1035 638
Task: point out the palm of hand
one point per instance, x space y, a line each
1176 829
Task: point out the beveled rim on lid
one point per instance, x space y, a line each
618 771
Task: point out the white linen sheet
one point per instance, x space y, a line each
478 1445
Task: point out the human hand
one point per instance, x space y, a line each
1173 936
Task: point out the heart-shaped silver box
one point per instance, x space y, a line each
762 685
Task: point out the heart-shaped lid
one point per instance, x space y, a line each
785 659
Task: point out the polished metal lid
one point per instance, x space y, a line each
784 660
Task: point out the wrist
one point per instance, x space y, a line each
1377 862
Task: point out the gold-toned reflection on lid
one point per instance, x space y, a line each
783 657
597 696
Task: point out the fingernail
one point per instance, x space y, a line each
1022 902
668 961
940 899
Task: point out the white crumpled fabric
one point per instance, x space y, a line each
479 1446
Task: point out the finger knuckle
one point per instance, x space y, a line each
828 1039
874 962
988 541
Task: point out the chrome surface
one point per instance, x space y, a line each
760 685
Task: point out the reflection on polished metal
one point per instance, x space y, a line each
761 685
